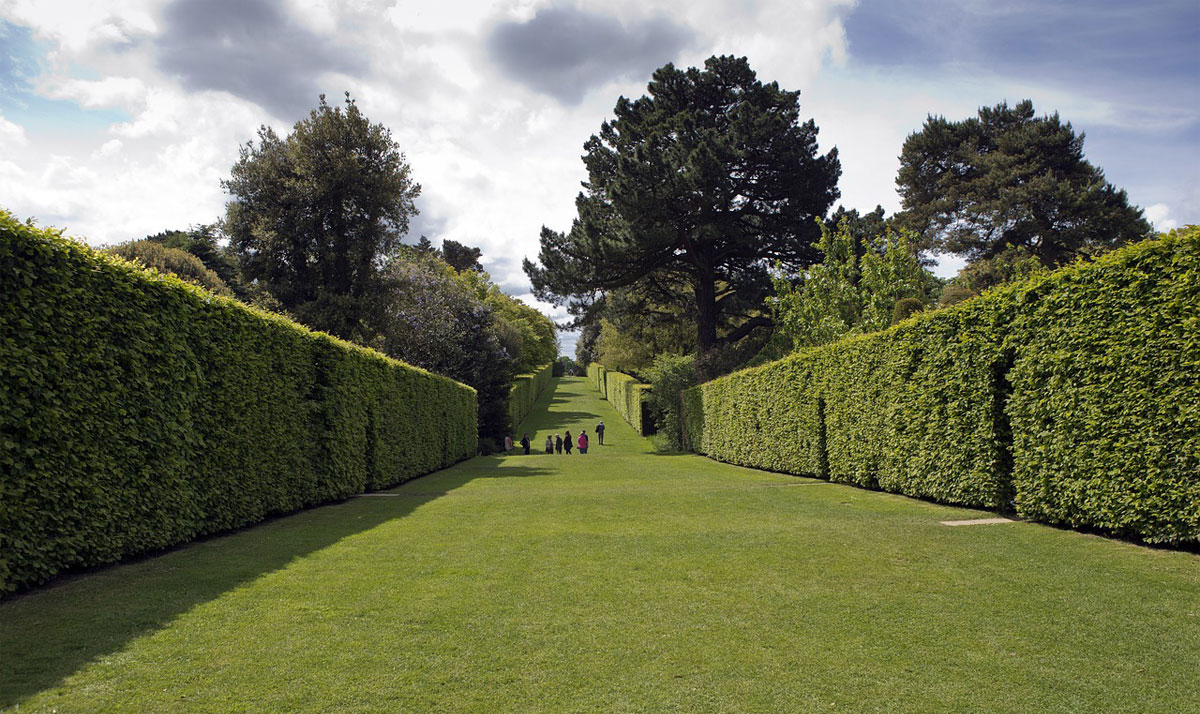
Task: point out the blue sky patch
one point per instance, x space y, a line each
22 61
1146 46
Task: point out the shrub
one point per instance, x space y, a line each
140 411
670 375
906 308
954 294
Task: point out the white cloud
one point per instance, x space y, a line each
126 93
108 149
1160 215
11 135
76 27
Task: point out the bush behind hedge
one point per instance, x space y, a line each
1072 398
139 411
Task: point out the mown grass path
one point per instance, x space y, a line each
619 581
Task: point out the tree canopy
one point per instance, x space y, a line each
461 257
459 323
1008 179
315 215
431 319
693 191
847 293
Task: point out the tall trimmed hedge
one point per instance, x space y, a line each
626 395
1105 408
525 391
139 412
1072 398
908 410
597 374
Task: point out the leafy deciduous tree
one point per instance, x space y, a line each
315 215
585 346
430 318
847 295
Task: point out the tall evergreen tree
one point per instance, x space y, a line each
461 257
704 183
1008 179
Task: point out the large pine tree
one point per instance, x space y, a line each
1006 180
693 191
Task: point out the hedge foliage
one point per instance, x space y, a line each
138 411
1105 408
908 410
1072 398
597 374
626 393
525 391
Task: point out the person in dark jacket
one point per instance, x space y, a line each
558 443
525 443
567 442
600 433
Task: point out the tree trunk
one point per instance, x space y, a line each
706 307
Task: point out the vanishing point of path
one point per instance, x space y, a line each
619 581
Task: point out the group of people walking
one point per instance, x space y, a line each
558 443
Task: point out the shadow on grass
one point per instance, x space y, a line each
545 417
50 633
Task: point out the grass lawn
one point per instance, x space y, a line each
619 581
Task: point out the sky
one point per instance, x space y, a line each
120 118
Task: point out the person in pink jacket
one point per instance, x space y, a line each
583 441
